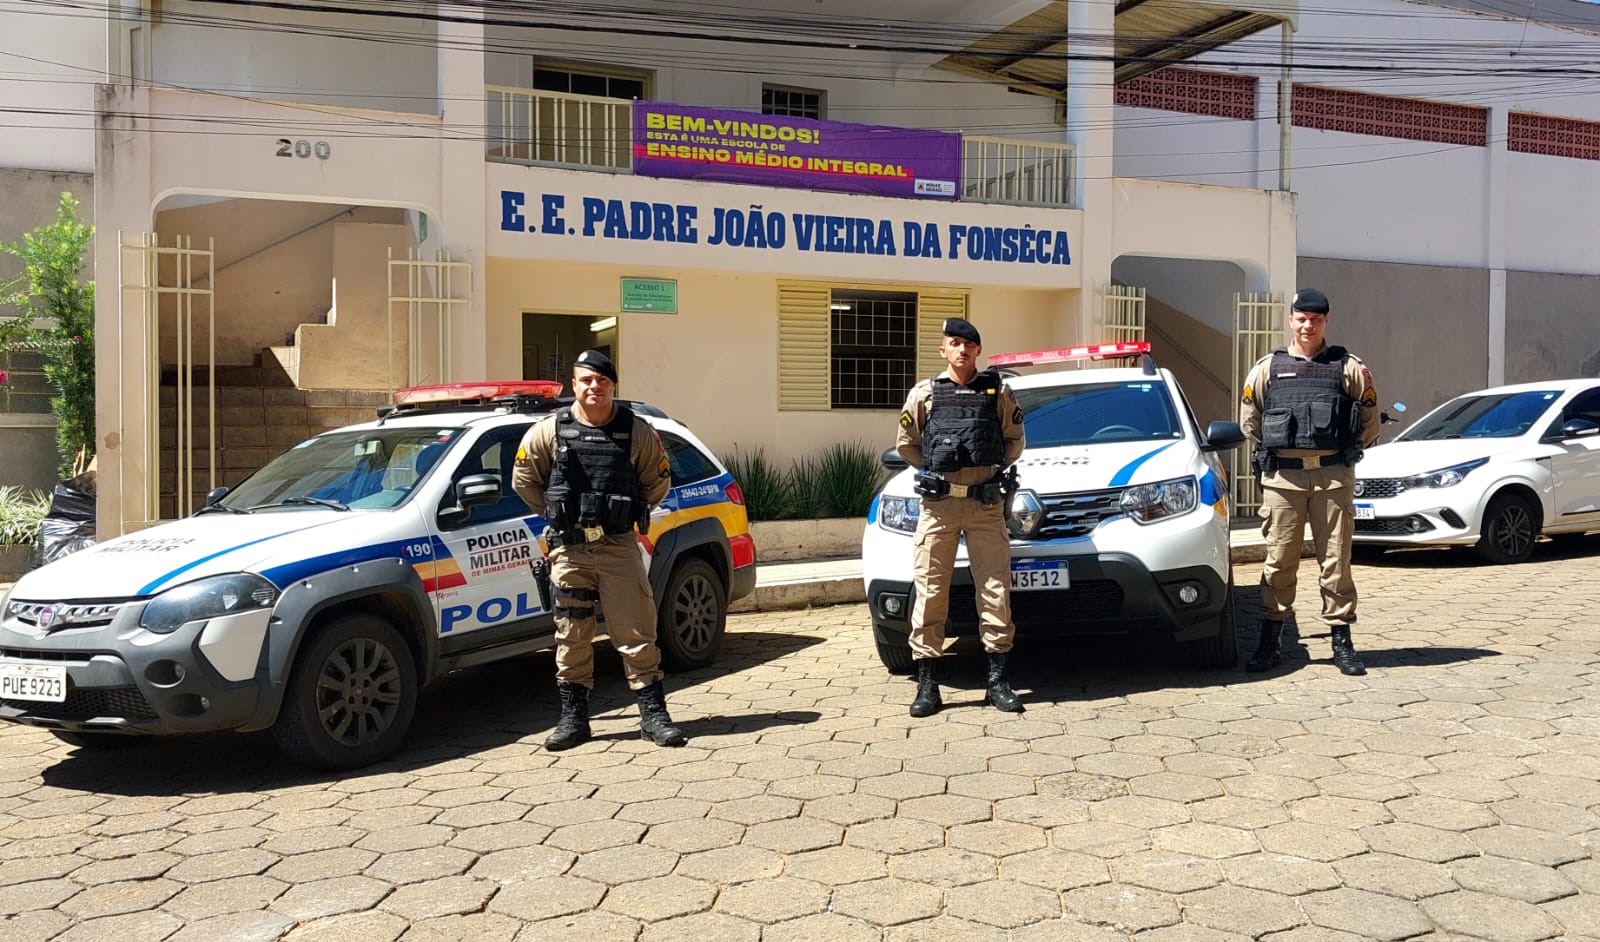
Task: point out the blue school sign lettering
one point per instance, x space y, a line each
593 217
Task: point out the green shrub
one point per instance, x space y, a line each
766 488
804 486
847 477
21 512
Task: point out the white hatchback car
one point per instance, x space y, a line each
1490 469
1120 525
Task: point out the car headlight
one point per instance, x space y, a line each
1027 513
899 513
1444 477
1147 503
207 598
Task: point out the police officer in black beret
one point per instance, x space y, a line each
960 429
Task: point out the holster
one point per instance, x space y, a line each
541 577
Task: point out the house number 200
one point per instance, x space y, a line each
288 148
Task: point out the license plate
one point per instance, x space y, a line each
33 682
1366 512
1033 575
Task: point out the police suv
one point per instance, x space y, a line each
1119 524
321 593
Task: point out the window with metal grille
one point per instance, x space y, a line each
25 389
1412 119
873 345
792 102
1192 91
598 83
1553 136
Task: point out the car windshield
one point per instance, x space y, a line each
1098 412
365 469
1501 415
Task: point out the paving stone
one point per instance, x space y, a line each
1000 838
1003 904
795 835
850 809
1311 841
228 863
235 927
1368 915
1577 914
480 927
547 897
1167 872
774 900
582 927
352 927
1101 838
944 929
687 837
1470 913
595 835
219 897
1512 879
943 867
1241 910
660 898
1043 811
1123 907
829 927
831 866
896 836
1533 846
107 899
489 838
330 897
947 810
1205 840
416 866
1349 813
888 901
137 867
149 926
1280 873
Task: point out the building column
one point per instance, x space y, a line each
464 177
1091 107
1499 128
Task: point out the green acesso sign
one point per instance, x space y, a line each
649 296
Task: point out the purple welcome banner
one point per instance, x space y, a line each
768 150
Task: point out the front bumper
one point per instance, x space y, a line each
1107 594
1418 519
123 679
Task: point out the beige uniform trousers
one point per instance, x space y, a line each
939 531
611 572
1325 497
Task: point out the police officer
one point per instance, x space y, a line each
596 470
1312 409
961 429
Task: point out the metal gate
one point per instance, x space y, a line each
1258 326
427 294
158 290
1122 314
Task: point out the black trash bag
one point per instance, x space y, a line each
69 526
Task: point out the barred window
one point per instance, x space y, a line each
792 102
597 83
25 389
1412 119
1553 136
1192 91
874 348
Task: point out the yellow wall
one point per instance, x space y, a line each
714 364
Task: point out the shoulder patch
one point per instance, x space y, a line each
906 421
522 455
1016 416
1369 398
664 467
1249 393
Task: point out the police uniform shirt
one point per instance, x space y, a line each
1358 386
537 453
914 418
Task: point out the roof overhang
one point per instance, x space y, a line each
1031 53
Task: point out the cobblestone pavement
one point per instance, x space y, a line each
1449 793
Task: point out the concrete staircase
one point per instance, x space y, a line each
259 413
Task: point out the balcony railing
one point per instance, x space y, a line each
1018 173
584 132
557 129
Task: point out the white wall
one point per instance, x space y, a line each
351 60
1372 197
52 58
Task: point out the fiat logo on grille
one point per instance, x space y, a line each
1360 487
48 615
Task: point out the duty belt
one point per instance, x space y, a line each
578 536
1310 462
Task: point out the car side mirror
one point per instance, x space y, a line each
477 489
215 495
1580 428
891 459
1223 436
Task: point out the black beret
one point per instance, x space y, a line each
960 327
1309 300
597 361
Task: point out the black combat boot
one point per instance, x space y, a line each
654 722
1001 696
928 701
1344 652
573 727
1267 654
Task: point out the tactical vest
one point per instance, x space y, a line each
963 429
1306 406
593 482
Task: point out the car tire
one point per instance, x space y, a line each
360 661
894 650
1510 528
692 616
1221 650
98 742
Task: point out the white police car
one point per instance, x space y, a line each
1491 469
321 593
1120 524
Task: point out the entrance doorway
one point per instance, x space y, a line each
550 342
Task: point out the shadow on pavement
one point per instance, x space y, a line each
1548 549
468 712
